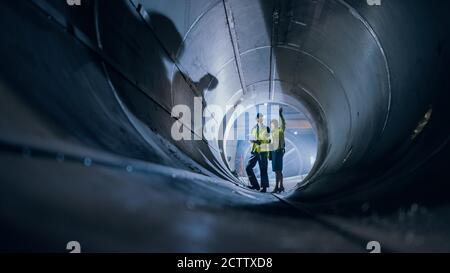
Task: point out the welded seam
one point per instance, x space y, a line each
191 27
321 62
333 74
235 44
372 32
178 66
140 12
254 49
122 163
220 168
321 154
186 35
54 14
143 15
273 41
324 65
127 113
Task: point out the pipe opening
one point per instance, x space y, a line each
301 142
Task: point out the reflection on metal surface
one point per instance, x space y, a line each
422 123
86 100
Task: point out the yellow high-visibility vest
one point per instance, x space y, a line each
262 134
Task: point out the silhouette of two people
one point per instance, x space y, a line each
143 48
172 43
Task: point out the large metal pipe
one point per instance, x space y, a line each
343 61
106 75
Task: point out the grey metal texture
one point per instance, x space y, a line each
96 83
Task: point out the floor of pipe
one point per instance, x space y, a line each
116 204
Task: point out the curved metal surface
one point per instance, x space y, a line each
98 83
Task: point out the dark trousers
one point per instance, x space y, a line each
261 159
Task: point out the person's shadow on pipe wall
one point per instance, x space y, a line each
173 45
146 52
